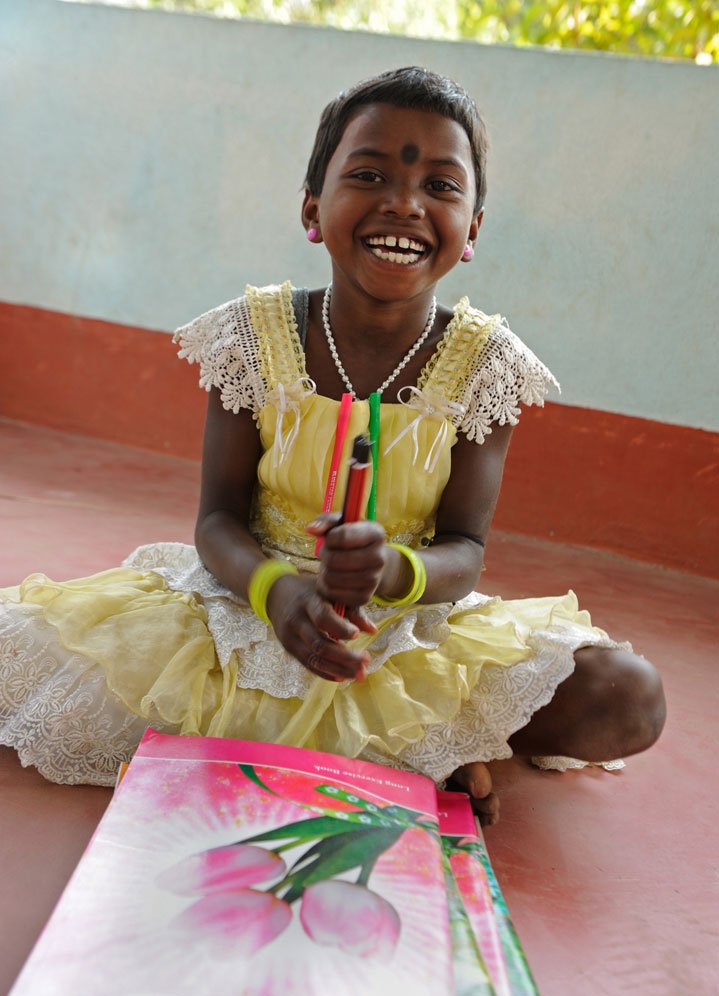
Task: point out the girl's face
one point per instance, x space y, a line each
397 205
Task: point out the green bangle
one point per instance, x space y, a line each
263 577
419 581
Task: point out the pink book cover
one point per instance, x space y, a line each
521 981
488 972
229 867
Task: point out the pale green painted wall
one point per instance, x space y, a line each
151 166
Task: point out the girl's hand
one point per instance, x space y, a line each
308 628
353 558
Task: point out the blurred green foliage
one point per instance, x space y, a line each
662 28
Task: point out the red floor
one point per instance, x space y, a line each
611 878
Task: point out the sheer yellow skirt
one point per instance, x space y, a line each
86 665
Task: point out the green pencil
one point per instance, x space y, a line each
374 403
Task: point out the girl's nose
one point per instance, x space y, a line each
403 201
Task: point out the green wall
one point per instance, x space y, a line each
152 162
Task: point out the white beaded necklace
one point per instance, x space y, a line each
402 363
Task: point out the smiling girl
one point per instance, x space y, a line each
240 637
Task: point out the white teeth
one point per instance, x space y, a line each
396 257
402 241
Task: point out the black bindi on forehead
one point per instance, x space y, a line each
409 154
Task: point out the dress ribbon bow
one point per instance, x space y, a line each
287 400
429 406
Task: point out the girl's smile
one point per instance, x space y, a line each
407 250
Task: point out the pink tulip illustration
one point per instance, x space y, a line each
222 869
235 923
350 917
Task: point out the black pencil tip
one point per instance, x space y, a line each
361 449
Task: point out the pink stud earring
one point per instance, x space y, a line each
468 254
311 234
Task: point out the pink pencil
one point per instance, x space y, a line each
343 420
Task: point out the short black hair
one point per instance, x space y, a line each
413 87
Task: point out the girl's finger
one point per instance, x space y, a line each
321 653
321 669
323 523
352 560
347 591
315 665
351 535
332 670
361 620
324 618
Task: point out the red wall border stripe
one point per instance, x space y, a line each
633 486
99 379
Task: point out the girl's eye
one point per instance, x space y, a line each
368 175
442 186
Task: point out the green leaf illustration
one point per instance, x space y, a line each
520 975
471 977
334 857
303 830
343 840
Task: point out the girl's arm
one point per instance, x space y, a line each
357 563
454 561
231 452
301 619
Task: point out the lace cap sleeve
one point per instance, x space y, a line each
224 343
506 375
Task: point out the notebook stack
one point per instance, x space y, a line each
230 867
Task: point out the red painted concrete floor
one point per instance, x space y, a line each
611 878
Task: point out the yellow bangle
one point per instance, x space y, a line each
419 582
263 577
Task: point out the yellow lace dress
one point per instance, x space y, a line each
86 665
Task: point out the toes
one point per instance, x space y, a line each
474 778
487 809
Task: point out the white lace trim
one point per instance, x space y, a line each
557 762
55 708
57 713
501 376
502 702
507 374
233 625
267 665
263 663
225 344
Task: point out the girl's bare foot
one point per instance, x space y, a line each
475 779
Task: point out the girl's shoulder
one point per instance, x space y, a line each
247 345
485 368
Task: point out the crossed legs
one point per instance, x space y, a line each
612 705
